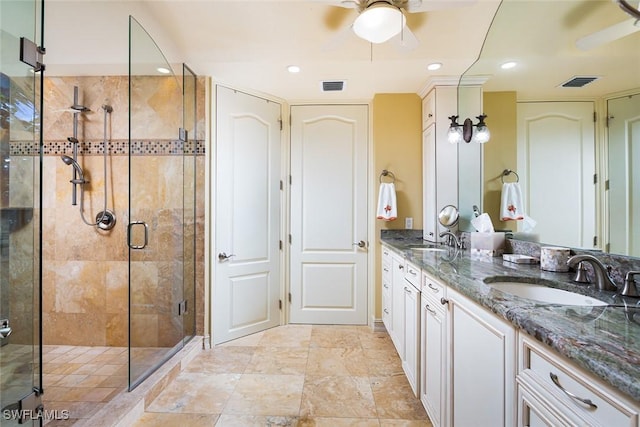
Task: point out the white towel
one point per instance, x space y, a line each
511 206
387 207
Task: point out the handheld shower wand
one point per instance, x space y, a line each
70 162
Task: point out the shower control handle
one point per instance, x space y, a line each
146 234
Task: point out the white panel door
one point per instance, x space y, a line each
624 175
328 214
556 165
246 258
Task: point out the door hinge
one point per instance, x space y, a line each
280 121
280 304
595 117
281 185
595 240
606 185
595 178
29 408
182 307
289 297
290 180
289 238
31 54
280 244
609 118
183 134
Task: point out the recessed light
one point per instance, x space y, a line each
508 65
293 69
434 66
163 70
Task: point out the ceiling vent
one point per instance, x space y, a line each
579 81
333 85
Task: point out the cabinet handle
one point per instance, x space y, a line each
386 286
429 309
401 267
433 288
444 301
407 290
386 269
555 380
413 273
386 253
386 311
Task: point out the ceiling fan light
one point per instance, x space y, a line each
379 22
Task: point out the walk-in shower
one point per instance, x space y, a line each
107 312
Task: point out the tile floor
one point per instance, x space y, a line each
293 375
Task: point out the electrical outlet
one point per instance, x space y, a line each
408 223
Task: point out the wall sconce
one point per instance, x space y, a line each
379 22
457 133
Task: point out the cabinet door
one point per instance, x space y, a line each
387 278
410 364
397 301
429 184
483 353
433 360
429 109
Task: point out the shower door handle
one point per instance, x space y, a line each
146 234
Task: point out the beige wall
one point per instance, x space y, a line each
500 153
397 147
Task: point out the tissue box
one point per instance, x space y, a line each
487 244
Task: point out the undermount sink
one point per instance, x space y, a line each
427 249
545 294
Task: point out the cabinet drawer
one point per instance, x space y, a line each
412 275
432 287
558 381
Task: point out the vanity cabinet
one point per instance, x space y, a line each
433 350
411 359
546 384
482 361
439 158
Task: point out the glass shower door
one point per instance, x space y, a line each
20 326
156 233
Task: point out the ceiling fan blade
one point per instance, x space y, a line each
406 41
607 35
339 38
349 4
414 6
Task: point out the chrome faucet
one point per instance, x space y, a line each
630 289
452 239
603 280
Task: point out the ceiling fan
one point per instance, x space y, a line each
379 21
613 32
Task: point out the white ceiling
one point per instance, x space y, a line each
249 44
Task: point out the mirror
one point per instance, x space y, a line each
448 216
553 43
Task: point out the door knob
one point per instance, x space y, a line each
360 244
223 256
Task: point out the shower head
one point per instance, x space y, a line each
70 162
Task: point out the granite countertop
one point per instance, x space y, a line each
603 340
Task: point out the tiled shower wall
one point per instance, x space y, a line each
85 270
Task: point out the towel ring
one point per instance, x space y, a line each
387 173
507 172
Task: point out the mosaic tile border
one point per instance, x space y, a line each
116 147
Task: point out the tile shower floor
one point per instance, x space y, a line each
293 375
81 379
